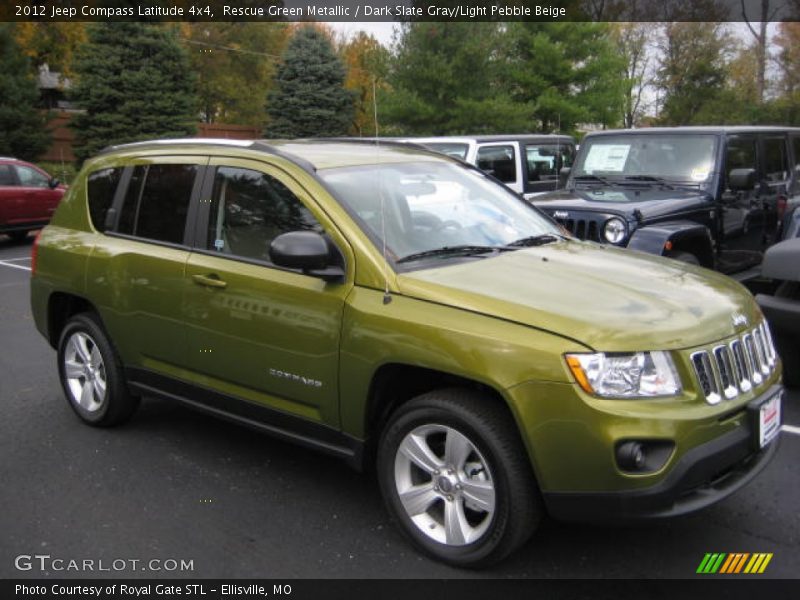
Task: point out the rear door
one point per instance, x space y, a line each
256 331
136 274
775 176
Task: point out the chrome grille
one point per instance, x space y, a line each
736 367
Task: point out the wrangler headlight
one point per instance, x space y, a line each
635 375
615 230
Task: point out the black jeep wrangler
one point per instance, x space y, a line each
714 196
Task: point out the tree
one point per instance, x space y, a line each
761 41
234 63
134 83
570 72
22 127
450 78
309 97
632 41
788 43
692 72
54 44
366 60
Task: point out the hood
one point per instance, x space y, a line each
608 299
651 201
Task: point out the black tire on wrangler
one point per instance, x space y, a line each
456 477
91 374
685 257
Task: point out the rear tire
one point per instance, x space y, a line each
455 476
91 374
684 257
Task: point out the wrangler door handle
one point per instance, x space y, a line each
209 281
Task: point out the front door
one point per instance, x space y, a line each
257 332
502 161
742 224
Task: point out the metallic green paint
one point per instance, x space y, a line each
505 321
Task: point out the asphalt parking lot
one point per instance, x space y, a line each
175 484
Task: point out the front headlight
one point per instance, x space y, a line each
615 230
635 375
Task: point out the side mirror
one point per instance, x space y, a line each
307 251
563 175
742 179
53 183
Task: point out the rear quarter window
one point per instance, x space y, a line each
101 187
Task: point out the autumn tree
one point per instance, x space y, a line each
235 65
692 72
309 97
450 78
22 127
54 44
366 61
134 83
633 42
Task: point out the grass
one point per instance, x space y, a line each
64 172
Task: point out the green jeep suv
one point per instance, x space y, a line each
401 310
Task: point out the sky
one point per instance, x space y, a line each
381 30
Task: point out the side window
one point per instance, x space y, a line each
545 161
7 176
796 146
776 160
741 153
498 161
101 186
31 177
249 209
157 202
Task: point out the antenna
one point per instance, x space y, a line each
558 152
387 298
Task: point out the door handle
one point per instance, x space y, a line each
209 281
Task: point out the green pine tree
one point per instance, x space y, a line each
134 82
23 133
309 97
449 78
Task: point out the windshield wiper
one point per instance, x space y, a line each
536 240
648 178
596 178
464 250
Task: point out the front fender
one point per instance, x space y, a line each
653 238
791 225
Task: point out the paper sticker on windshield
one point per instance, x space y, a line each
699 174
606 157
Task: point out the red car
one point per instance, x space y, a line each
28 197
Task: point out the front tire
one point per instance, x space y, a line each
455 476
91 374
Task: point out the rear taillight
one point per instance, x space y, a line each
781 206
35 253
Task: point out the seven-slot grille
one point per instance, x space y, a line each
583 230
737 366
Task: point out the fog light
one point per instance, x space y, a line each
643 456
631 456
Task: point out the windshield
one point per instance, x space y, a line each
434 205
679 158
455 149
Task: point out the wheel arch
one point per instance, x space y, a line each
676 236
61 307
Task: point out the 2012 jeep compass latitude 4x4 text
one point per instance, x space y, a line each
385 303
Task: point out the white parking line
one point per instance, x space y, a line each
791 429
16 259
8 264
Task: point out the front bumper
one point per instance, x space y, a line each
703 476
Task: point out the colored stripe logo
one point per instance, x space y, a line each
734 563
